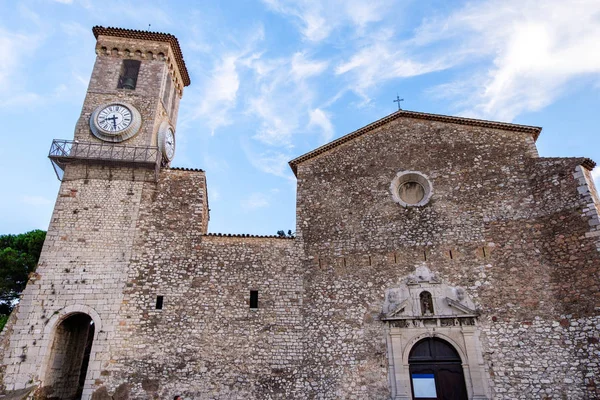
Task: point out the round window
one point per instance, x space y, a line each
411 189
411 192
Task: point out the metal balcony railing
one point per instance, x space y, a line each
63 152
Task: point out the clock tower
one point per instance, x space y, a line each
116 179
130 111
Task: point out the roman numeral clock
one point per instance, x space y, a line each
115 122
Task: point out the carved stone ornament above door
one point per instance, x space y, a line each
422 306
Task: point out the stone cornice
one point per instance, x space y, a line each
151 36
532 130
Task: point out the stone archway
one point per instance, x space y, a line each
436 371
423 309
69 356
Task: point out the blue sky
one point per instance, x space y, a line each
274 79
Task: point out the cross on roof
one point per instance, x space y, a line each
398 100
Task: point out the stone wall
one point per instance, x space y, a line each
517 232
82 268
206 342
508 227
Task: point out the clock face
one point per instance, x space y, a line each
115 122
166 142
114 118
169 144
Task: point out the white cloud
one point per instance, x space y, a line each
318 19
273 162
214 98
254 201
284 90
214 194
536 49
220 93
64 1
320 119
596 177
382 61
19 46
214 164
74 29
303 68
275 128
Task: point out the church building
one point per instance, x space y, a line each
435 257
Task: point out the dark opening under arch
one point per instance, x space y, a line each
436 371
70 356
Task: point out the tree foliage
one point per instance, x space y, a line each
289 234
19 255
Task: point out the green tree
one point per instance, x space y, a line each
19 255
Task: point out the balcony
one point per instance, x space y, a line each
64 152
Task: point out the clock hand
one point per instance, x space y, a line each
114 120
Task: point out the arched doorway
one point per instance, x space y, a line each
436 371
70 356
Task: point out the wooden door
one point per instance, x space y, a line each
436 371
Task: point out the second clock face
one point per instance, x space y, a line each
169 144
114 118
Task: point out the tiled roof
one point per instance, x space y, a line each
242 235
145 35
187 169
533 130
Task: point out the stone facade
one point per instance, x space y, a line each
501 262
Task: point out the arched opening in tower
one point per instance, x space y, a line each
70 356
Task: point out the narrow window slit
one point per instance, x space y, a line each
424 255
484 255
254 299
450 254
159 302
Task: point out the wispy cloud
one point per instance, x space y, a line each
254 201
20 47
218 91
214 194
318 19
221 93
283 96
381 60
596 177
535 50
303 68
320 119
272 162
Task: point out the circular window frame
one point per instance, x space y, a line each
403 177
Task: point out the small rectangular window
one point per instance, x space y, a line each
159 302
129 74
254 299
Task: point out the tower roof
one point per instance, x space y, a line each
532 130
146 35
